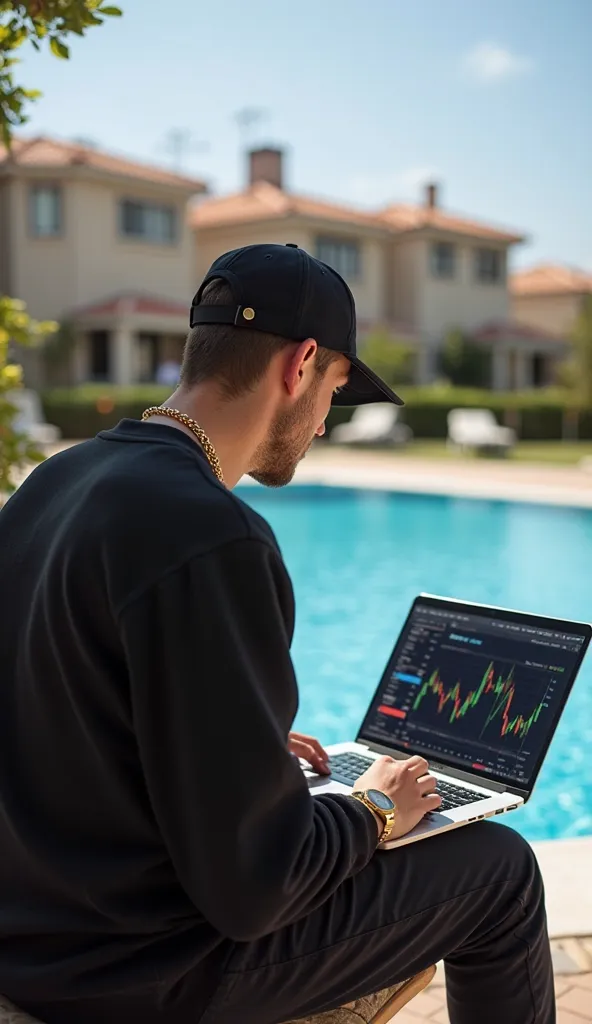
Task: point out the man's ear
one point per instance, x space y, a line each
300 367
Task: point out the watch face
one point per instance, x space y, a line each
381 800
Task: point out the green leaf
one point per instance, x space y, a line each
18 36
59 49
13 102
112 12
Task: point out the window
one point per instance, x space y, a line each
443 259
489 265
45 208
147 222
344 257
99 355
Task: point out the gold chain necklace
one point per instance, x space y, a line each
194 427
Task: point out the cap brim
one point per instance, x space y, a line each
364 387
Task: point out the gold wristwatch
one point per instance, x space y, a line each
380 804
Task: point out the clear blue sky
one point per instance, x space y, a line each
494 99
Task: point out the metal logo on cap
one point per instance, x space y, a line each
248 313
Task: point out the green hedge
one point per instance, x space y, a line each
83 411
537 415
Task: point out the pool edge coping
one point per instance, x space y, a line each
566 865
394 479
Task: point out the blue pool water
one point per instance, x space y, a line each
358 558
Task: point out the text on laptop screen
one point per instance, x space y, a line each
477 692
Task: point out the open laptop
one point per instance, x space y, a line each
476 690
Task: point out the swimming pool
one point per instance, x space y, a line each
358 558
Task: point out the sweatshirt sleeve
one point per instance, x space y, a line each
213 697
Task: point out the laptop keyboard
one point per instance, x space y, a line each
347 768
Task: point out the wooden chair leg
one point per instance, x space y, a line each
403 995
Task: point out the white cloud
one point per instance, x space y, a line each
373 190
488 62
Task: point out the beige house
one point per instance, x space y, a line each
103 244
415 271
549 297
113 249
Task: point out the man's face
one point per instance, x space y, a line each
292 433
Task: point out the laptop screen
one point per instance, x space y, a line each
477 689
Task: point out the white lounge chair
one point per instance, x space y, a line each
478 429
373 424
30 420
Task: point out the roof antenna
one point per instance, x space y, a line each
179 143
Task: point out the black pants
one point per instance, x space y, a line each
472 897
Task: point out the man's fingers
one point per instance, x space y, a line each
312 742
427 784
417 766
318 749
307 752
432 802
300 748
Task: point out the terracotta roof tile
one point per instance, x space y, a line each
403 217
550 279
496 329
263 201
52 154
128 303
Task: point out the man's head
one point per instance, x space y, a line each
275 329
301 376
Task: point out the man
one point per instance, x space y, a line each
161 858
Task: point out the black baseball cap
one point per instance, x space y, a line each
281 289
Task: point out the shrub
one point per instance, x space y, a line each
463 362
82 411
390 358
543 415
16 327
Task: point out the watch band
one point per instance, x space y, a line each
387 817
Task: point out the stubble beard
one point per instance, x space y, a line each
289 440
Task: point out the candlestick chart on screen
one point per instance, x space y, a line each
499 704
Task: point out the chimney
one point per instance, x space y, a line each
431 196
266 165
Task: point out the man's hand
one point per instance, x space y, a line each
309 750
409 785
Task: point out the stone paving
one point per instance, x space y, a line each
471 478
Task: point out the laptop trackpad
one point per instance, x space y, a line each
321 784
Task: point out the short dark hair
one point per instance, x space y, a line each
237 357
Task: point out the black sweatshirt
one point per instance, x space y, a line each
150 814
